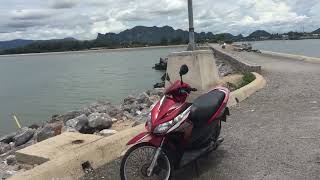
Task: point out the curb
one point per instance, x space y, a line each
246 91
291 56
105 150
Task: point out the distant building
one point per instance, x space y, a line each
285 37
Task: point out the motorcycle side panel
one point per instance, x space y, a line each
146 137
223 105
165 110
137 138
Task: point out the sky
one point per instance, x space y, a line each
84 19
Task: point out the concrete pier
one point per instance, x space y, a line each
203 72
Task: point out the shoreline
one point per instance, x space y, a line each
95 50
291 56
100 118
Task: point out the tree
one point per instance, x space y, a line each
176 41
164 41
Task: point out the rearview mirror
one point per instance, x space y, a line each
183 70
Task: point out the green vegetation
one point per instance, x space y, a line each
247 78
164 41
76 45
141 36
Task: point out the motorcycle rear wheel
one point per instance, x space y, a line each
138 158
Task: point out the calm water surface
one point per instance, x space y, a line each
38 86
308 47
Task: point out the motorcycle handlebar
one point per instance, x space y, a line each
188 90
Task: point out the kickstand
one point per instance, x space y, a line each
196 168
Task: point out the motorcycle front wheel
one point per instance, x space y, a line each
137 160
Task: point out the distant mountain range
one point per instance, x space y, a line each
259 33
137 37
23 42
14 43
158 35
150 35
316 31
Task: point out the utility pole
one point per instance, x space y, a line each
192 45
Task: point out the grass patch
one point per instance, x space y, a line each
247 78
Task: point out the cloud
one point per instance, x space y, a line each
29 14
84 19
18 25
107 26
64 4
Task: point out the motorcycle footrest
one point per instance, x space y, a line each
217 144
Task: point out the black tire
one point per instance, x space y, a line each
135 147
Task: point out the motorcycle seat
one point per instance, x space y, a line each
205 106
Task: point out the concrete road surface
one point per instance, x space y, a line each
275 134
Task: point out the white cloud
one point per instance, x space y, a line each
27 14
83 19
64 4
111 25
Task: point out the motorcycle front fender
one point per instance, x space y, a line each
146 137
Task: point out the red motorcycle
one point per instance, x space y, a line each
177 133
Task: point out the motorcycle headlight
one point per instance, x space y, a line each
162 128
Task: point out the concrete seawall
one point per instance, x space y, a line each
291 56
234 61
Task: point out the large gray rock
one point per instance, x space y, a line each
4 148
126 108
87 110
100 106
127 115
225 70
143 116
77 123
66 117
23 136
143 98
129 100
131 108
100 121
103 107
48 131
114 111
157 91
8 138
7 174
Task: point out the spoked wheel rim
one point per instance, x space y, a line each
139 160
